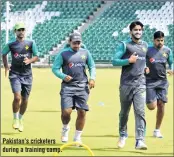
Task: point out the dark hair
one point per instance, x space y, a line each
135 23
158 34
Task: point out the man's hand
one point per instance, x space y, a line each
170 72
6 71
91 84
68 78
133 58
147 70
27 61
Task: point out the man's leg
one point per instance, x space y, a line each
125 101
16 89
139 112
151 98
65 117
66 110
80 122
26 89
162 99
160 114
80 102
16 106
23 107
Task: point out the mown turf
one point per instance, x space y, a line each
42 119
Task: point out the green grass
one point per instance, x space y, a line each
42 119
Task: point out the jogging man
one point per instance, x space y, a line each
158 56
131 55
20 72
75 85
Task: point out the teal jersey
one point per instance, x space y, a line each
74 64
19 51
132 73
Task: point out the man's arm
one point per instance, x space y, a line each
91 66
120 51
57 65
92 70
170 60
5 51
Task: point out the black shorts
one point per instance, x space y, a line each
21 84
157 91
74 97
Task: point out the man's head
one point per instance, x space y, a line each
136 30
158 39
19 29
75 40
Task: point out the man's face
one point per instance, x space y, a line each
136 32
75 45
159 42
20 33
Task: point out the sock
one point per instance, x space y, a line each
65 126
157 130
20 116
77 134
16 115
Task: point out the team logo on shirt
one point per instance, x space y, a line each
26 47
144 49
152 60
164 54
16 54
83 57
70 65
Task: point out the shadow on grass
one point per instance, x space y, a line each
142 152
10 133
114 136
42 111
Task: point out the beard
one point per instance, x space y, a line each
159 46
137 35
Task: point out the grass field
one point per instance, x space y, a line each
42 119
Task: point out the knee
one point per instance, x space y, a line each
151 106
17 98
65 114
24 100
160 105
81 113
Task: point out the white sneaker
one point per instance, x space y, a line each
140 145
122 142
21 126
157 134
79 141
15 124
64 136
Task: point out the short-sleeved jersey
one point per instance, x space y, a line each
19 51
132 73
74 64
156 60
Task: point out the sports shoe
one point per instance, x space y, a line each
140 145
15 124
79 141
157 134
122 141
64 136
21 126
